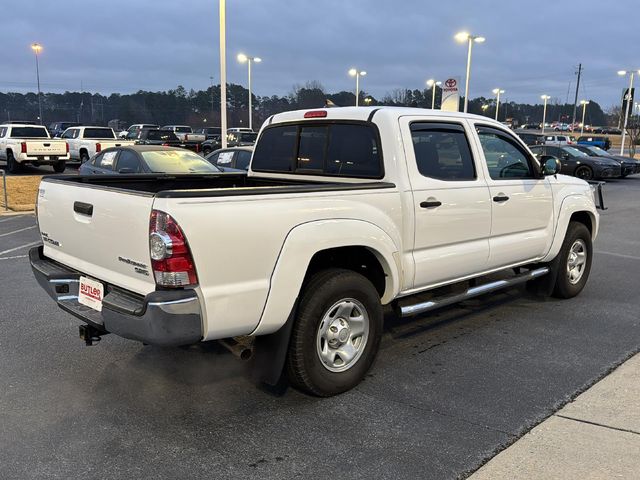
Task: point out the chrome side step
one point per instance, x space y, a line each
409 310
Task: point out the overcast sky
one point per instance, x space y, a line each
532 47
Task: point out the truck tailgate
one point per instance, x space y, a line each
103 233
46 147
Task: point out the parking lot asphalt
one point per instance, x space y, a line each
447 392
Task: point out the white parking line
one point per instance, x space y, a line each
14 257
13 217
17 231
18 248
621 255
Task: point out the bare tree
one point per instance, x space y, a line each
633 132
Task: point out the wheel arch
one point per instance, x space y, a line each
344 243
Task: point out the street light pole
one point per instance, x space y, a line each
544 110
432 83
223 73
584 104
626 110
245 58
37 48
354 72
497 91
470 39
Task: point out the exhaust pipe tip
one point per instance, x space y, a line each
239 350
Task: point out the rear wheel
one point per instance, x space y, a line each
206 151
584 172
336 334
12 165
59 167
84 156
574 263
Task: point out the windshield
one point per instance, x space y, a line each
574 152
98 133
248 137
177 161
599 151
29 132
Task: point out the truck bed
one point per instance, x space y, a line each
190 185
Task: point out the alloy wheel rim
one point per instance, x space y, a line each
576 261
342 335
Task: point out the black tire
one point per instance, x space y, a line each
206 151
12 165
564 287
304 367
584 172
59 166
84 157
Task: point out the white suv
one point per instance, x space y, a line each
559 140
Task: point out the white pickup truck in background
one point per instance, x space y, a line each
85 141
31 144
343 211
185 133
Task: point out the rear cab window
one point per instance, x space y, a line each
29 132
338 149
102 133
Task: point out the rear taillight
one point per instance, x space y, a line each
98 148
197 148
23 147
171 258
67 146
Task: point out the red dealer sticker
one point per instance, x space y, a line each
90 293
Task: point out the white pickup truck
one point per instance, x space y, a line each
31 144
185 133
343 211
85 141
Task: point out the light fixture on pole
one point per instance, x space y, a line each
484 108
584 104
223 73
470 39
432 83
354 72
367 101
245 58
628 101
37 48
497 93
544 110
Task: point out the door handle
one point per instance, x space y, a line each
500 198
83 208
430 204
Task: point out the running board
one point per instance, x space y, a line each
416 309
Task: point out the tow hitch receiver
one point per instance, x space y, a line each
90 334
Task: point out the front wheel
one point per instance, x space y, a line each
583 172
206 151
336 334
574 263
59 167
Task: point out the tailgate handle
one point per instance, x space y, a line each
46 144
83 208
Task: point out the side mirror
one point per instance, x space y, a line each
126 170
550 165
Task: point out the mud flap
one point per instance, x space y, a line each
270 352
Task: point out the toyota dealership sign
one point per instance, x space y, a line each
450 94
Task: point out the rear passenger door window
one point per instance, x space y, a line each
243 159
128 160
107 160
442 151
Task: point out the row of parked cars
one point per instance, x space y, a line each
586 157
26 143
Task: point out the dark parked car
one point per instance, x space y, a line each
57 128
146 159
579 164
149 136
211 133
602 142
531 138
234 158
234 139
612 131
628 165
